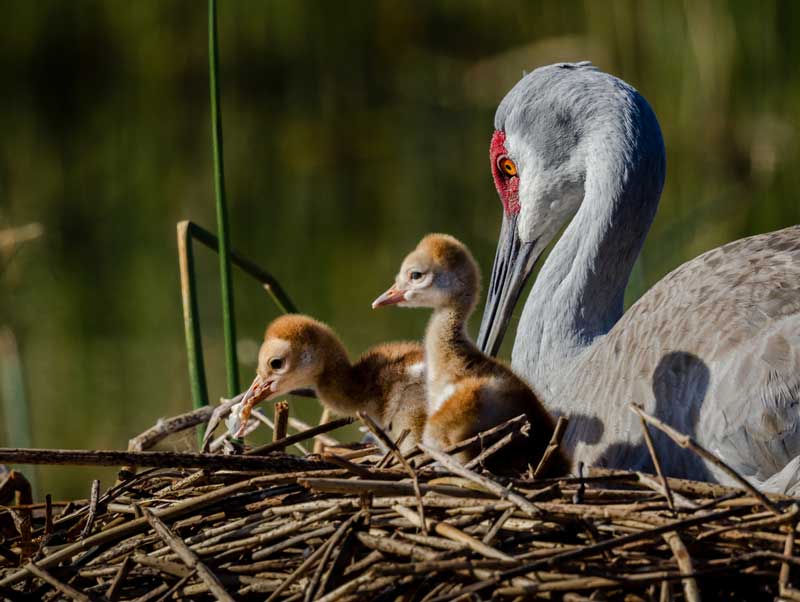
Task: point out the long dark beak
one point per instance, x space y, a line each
513 264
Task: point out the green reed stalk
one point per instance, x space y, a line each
226 280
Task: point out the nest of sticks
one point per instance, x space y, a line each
360 523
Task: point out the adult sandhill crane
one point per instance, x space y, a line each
713 349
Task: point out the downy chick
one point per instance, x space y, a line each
467 391
387 382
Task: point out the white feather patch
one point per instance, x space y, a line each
438 401
416 370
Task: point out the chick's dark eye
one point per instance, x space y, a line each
276 363
415 275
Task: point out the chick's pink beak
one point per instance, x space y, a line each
391 297
258 390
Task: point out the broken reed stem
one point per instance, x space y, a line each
688 443
281 422
94 497
657 464
552 447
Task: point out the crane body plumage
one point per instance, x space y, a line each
713 349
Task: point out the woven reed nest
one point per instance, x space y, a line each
360 524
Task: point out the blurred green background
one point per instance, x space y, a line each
351 129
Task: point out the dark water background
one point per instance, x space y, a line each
351 129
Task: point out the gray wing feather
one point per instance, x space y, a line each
712 349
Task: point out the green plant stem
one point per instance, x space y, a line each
226 280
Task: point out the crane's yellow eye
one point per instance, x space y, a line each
507 166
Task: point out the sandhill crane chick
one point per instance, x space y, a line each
387 382
467 391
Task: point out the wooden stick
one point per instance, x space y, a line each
353 467
386 461
187 556
381 488
453 533
112 593
788 550
48 514
498 524
168 426
689 443
180 583
396 547
287 543
348 587
491 450
168 459
291 439
299 572
509 426
281 422
256 413
588 550
502 492
332 544
133 526
684 562
67 590
656 485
